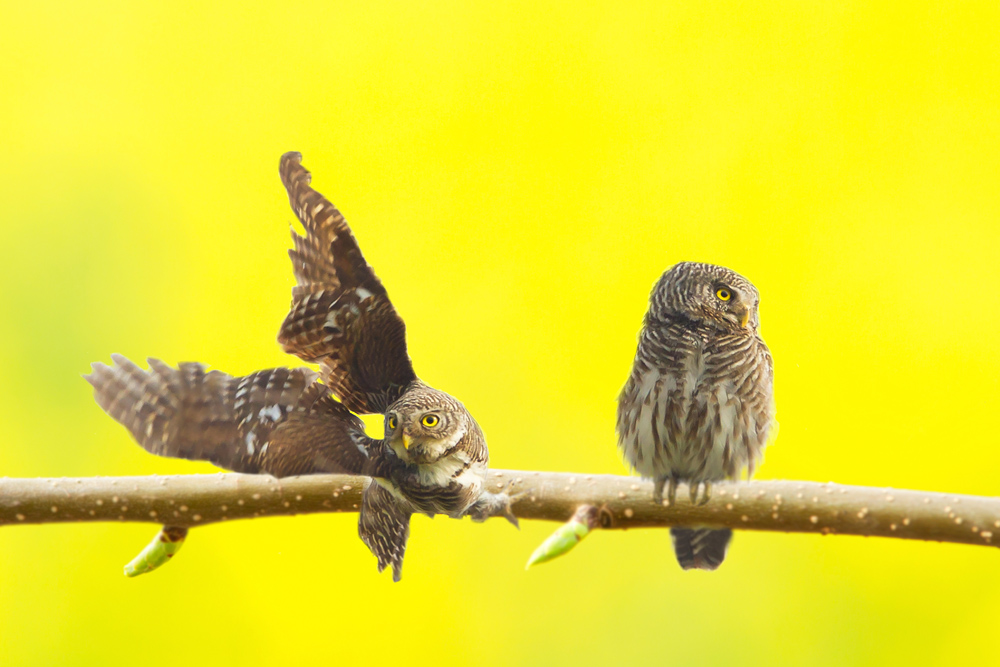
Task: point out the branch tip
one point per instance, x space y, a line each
158 552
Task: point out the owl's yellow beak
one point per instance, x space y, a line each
745 317
406 441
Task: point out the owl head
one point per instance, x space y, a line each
705 294
426 424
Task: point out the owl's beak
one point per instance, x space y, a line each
745 317
406 441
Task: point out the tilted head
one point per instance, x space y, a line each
705 294
425 424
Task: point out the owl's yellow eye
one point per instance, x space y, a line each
724 294
392 423
430 420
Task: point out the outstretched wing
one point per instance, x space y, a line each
384 526
340 316
277 421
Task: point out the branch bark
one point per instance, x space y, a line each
624 502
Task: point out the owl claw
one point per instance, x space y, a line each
671 484
496 504
512 498
695 487
658 484
672 491
509 515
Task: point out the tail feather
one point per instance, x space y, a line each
384 526
702 548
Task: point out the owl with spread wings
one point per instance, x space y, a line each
433 458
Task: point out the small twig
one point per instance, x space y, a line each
567 536
163 547
806 507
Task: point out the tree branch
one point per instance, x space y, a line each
624 502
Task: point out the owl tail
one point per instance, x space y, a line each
384 526
702 548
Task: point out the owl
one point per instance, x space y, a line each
433 458
698 406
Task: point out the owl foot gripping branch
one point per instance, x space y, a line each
697 408
699 404
433 458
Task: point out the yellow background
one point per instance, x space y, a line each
519 176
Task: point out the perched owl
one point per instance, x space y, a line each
698 406
433 458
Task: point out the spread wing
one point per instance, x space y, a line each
341 316
277 421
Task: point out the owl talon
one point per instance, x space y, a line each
658 484
707 495
496 504
695 487
510 499
699 401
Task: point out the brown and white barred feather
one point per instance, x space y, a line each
384 526
285 423
698 405
276 421
700 548
340 316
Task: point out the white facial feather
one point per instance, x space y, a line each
435 448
